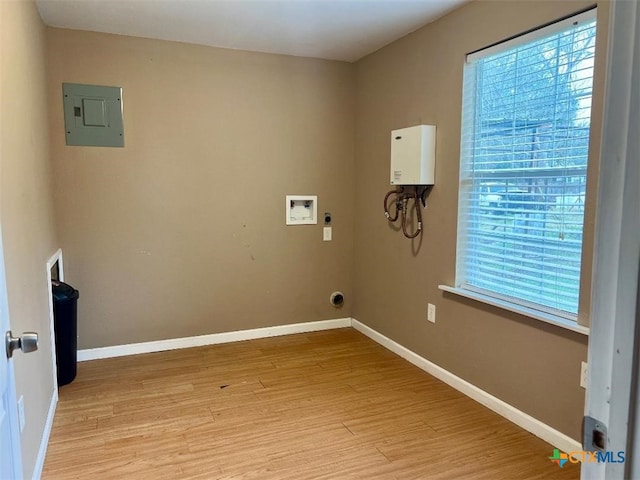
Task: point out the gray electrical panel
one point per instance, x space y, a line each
93 115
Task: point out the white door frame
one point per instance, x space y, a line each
612 343
55 258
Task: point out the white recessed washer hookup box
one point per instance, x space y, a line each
302 209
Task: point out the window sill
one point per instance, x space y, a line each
512 307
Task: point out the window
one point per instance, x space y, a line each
524 148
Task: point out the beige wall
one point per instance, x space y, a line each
418 80
26 210
182 232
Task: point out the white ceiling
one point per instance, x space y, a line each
332 29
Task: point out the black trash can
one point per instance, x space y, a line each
65 321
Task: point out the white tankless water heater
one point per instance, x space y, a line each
413 155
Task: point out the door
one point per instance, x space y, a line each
10 462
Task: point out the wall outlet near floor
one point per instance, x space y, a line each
21 412
431 313
583 374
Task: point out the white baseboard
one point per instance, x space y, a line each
523 420
212 339
42 452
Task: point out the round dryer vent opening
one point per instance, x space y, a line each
337 299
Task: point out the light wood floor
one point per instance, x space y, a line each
324 405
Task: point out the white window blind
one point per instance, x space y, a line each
524 149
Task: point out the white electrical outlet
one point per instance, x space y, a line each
583 374
431 313
21 412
